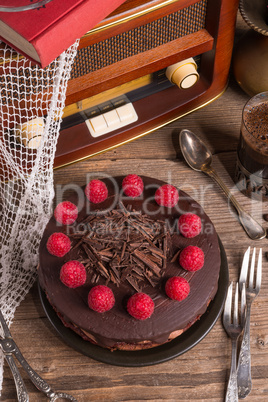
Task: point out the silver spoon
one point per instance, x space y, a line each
199 158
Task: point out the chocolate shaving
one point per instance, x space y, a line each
148 261
78 244
155 258
89 253
157 251
175 256
123 245
133 283
123 250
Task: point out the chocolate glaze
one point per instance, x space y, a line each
116 325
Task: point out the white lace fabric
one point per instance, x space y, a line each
31 106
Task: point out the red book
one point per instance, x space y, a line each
42 34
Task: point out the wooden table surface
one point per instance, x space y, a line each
201 373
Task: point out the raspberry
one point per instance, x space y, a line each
66 213
73 274
96 191
58 244
177 288
132 185
167 195
140 306
101 298
189 225
191 258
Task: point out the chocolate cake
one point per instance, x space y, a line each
130 245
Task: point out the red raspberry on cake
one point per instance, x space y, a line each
132 185
101 298
167 196
191 258
177 288
73 274
66 213
189 225
140 306
96 191
58 244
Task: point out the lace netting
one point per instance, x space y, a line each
31 106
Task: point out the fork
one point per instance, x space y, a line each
233 326
244 362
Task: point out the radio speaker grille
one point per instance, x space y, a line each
156 33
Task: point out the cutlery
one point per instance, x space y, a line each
199 158
244 362
10 348
233 324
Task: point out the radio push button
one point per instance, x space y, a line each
112 120
98 124
184 74
127 113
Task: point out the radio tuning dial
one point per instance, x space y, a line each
184 74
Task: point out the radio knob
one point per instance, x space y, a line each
30 133
184 74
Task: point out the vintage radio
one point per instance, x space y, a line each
147 64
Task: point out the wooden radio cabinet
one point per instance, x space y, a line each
119 88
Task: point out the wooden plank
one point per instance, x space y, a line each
202 373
